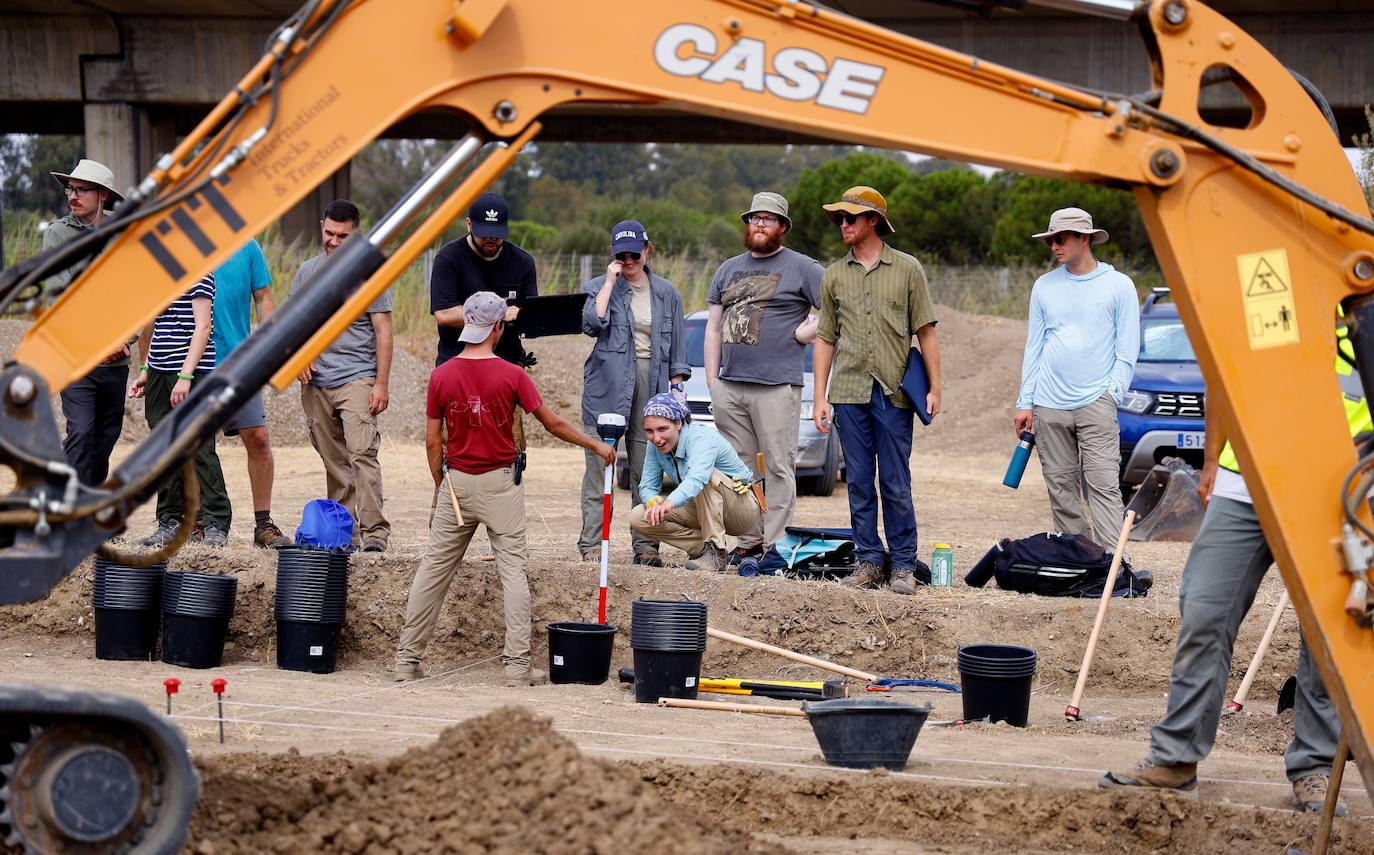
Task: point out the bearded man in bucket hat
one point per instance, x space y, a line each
757 329
875 299
1081 347
93 405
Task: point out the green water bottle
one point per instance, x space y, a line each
942 566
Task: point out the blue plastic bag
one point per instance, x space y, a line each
325 524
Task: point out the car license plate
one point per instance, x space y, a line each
1191 439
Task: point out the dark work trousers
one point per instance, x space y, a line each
879 433
94 409
214 498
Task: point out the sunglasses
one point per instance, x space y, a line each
627 256
850 219
1062 238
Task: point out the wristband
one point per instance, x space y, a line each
676 387
181 376
143 367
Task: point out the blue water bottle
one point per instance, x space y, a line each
1017 467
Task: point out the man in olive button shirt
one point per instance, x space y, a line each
875 298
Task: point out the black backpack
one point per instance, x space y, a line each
1052 564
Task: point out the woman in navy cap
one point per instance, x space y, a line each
640 351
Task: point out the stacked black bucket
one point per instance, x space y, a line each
668 637
996 682
128 609
312 596
196 608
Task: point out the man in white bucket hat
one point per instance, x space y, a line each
1081 347
93 405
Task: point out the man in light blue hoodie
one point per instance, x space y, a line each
1081 347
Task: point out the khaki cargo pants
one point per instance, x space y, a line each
492 499
707 517
1080 457
754 417
344 432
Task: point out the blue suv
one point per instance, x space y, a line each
1162 414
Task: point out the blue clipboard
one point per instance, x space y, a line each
916 384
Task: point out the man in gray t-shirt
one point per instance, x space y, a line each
756 336
345 389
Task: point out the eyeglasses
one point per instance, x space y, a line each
763 220
72 190
627 256
1062 238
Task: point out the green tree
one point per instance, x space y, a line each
812 232
1028 201
938 215
25 162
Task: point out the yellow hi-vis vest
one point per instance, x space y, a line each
1352 396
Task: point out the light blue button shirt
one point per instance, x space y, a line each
700 451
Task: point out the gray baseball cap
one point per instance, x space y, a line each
481 312
767 202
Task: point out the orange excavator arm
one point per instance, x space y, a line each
1251 225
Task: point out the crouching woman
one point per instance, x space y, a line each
713 496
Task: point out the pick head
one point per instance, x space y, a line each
218 685
172 684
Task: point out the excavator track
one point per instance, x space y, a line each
83 773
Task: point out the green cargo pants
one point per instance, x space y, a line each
214 497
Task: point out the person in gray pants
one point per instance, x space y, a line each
1228 561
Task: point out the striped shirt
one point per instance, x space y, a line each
172 331
875 312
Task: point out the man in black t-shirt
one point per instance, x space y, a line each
483 260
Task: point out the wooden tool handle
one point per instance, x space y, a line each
453 494
757 709
1244 690
788 654
757 486
1101 614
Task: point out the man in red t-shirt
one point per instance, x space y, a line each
474 396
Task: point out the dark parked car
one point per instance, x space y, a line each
1162 414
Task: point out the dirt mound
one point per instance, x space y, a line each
502 782
1006 819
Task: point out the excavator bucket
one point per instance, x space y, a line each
1167 506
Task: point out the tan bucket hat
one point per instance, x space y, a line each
766 202
862 200
92 172
1072 220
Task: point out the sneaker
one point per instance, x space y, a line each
903 581
772 563
267 536
407 671
867 575
518 678
739 553
1181 778
646 559
212 535
374 545
1309 795
712 557
161 536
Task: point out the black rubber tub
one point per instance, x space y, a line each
996 681
866 733
196 608
128 610
311 608
580 652
668 637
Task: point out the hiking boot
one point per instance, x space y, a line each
866 575
1181 778
267 536
374 545
519 678
592 556
645 559
712 557
739 553
903 580
1309 794
212 535
161 536
772 563
407 671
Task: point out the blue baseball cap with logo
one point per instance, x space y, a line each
489 217
628 236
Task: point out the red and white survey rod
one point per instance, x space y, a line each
610 427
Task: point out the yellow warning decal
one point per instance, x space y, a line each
1271 317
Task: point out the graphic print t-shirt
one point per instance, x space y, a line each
476 398
764 300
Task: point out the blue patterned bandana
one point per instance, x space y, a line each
666 406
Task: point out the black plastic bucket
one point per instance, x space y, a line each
580 652
668 637
665 675
996 681
310 604
865 733
196 609
128 610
